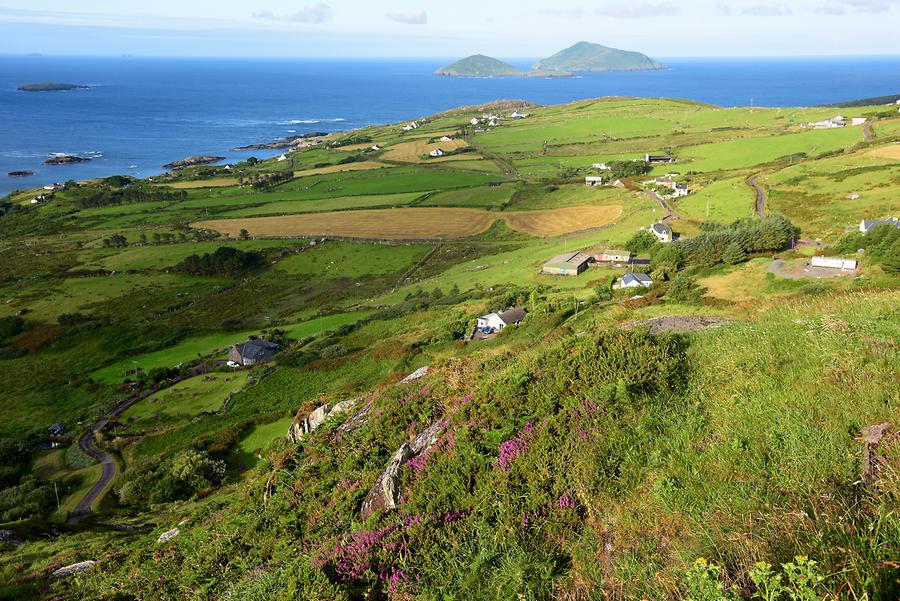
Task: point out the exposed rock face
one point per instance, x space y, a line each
193 162
168 535
304 424
874 439
383 496
75 568
416 375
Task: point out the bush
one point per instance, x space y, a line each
10 326
684 289
641 242
226 260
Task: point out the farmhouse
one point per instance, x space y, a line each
56 429
662 232
612 256
437 152
593 180
658 158
600 166
252 352
474 121
833 262
669 181
446 139
494 322
635 280
282 158
834 122
376 147
54 187
866 225
518 115
567 264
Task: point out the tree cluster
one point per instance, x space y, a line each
154 481
621 169
881 245
732 244
225 261
110 196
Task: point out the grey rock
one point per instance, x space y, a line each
168 535
75 568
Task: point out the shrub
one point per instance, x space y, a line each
641 242
226 260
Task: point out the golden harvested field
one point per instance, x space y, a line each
562 221
412 152
361 166
416 223
891 151
221 182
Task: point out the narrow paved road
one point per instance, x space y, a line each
670 213
760 196
868 136
87 444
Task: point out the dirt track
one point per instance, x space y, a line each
760 196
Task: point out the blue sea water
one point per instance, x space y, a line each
141 113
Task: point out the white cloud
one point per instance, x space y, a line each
317 13
413 18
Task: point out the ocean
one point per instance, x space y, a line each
141 113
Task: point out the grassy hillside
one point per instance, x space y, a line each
610 446
478 65
587 57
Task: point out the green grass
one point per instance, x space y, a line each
352 260
724 201
320 325
290 207
187 350
204 393
247 452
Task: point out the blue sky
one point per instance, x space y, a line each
432 28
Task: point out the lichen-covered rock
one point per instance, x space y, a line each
304 424
383 496
75 568
416 375
168 535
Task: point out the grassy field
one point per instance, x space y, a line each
360 166
289 207
417 151
725 201
249 449
418 223
205 393
219 182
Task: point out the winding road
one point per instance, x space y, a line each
868 136
110 467
760 196
670 213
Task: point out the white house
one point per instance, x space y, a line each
518 115
411 126
866 225
446 139
474 121
618 184
635 280
53 187
492 123
437 152
494 322
376 147
681 190
593 180
858 120
600 166
834 122
833 262
282 158
662 232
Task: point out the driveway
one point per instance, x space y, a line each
802 270
760 196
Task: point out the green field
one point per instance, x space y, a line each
205 393
724 201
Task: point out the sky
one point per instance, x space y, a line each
437 28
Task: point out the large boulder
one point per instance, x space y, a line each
416 375
168 535
303 424
75 568
383 496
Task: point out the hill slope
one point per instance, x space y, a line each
478 65
584 56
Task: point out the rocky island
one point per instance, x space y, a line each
49 86
20 174
194 161
288 142
66 159
583 57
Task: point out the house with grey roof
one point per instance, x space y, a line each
494 322
866 225
635 280
662 232
252 352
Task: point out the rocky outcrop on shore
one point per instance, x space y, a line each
66 159
194 161
289 142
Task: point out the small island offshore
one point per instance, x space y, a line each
49 86
583 57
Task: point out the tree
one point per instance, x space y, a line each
244 234
684 289
733 254
641 242
891 261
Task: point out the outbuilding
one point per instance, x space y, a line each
437 152
571 264
593 180
612 256
833 262
867 224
